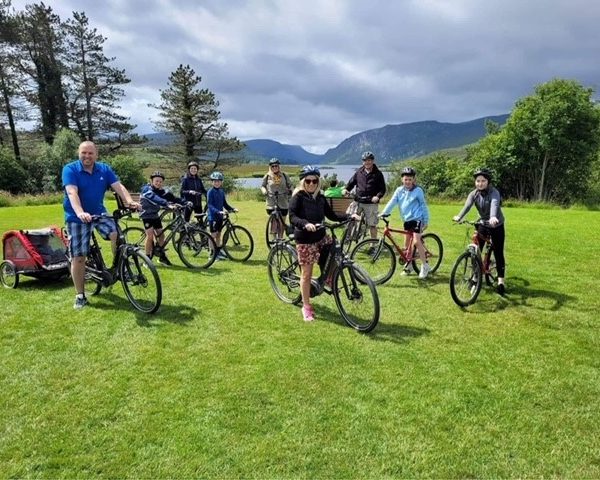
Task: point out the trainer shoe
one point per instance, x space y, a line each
164 260
308 313
501 289
222 255
80 302
425 269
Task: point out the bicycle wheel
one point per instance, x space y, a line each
375 257
466 279
238 244
92 282
8 274
356 297
135 236
434 252
274 230
284 273
196 248
491 275
140 281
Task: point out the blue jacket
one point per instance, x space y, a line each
411 203
192 183
215 199
153 198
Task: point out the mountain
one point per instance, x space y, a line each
406 140
295 154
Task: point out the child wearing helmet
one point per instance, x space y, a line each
152 197
192 189
308 207
487 201
410 200
217 205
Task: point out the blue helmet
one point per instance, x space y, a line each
309 170
216 176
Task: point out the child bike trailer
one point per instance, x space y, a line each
36 253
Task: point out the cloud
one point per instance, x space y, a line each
313 72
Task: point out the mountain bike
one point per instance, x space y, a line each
470 268
354 292
378 257
238 243
195 247
131 266
276 227
355 231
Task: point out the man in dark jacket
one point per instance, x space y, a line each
370 189
192 189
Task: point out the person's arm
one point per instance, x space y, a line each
468 204
184 188
120 189
263 186
351 184
392 202
73 195
228 207
494 204
148 194
424 207
294 210
210 203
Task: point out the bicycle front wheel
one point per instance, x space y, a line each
275 230
375 257
135 236
141 282
284 273
466 279
356 297
238 243
434 252
196 248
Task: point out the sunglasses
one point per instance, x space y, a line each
308 181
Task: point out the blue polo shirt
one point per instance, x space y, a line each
91 187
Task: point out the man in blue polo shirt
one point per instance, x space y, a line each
85 182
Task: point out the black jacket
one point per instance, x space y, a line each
192 183
306 209
368 185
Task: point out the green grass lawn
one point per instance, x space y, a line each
226 381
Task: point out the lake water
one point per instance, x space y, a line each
344 172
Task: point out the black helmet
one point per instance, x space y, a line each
309 170
157 174
484 172
193 163
367 155
408 171
274 161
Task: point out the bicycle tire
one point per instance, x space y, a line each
270 230
434 251
284 273
238 243
91 284
377 258
491 276
140 281
196 248
8 274
356 297
135 236
466 279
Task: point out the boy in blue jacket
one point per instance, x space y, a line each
152 198
217 204
410 199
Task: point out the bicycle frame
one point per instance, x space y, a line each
484 253
405 254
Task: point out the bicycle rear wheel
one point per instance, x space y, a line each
434 252
196 248
466 279
284 273
275 229
140 281
135 236
375 257
356 297
238 243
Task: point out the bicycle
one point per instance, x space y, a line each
354 292
378 258
466 278
131 266
195 247
237 242
355 231
276 226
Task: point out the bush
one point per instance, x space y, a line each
13 176
129 171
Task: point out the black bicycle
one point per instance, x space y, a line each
131 267
276 228
471 267
354 292
356 231
237 241
195 247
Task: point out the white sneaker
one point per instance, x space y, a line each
425 269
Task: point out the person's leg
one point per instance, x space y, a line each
307 255
421 251
78 274
149 243
498 236
79 244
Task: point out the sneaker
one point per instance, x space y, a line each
425 269
308 313
164 260
222 255
408 269
501 289
80 302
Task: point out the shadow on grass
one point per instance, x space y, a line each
382 332
519 294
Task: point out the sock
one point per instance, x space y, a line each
80 295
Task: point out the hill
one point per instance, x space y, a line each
290 154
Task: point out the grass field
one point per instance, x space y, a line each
226 381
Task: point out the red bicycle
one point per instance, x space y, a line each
378 258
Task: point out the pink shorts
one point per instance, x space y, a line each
309 253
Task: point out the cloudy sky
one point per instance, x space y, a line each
313 72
